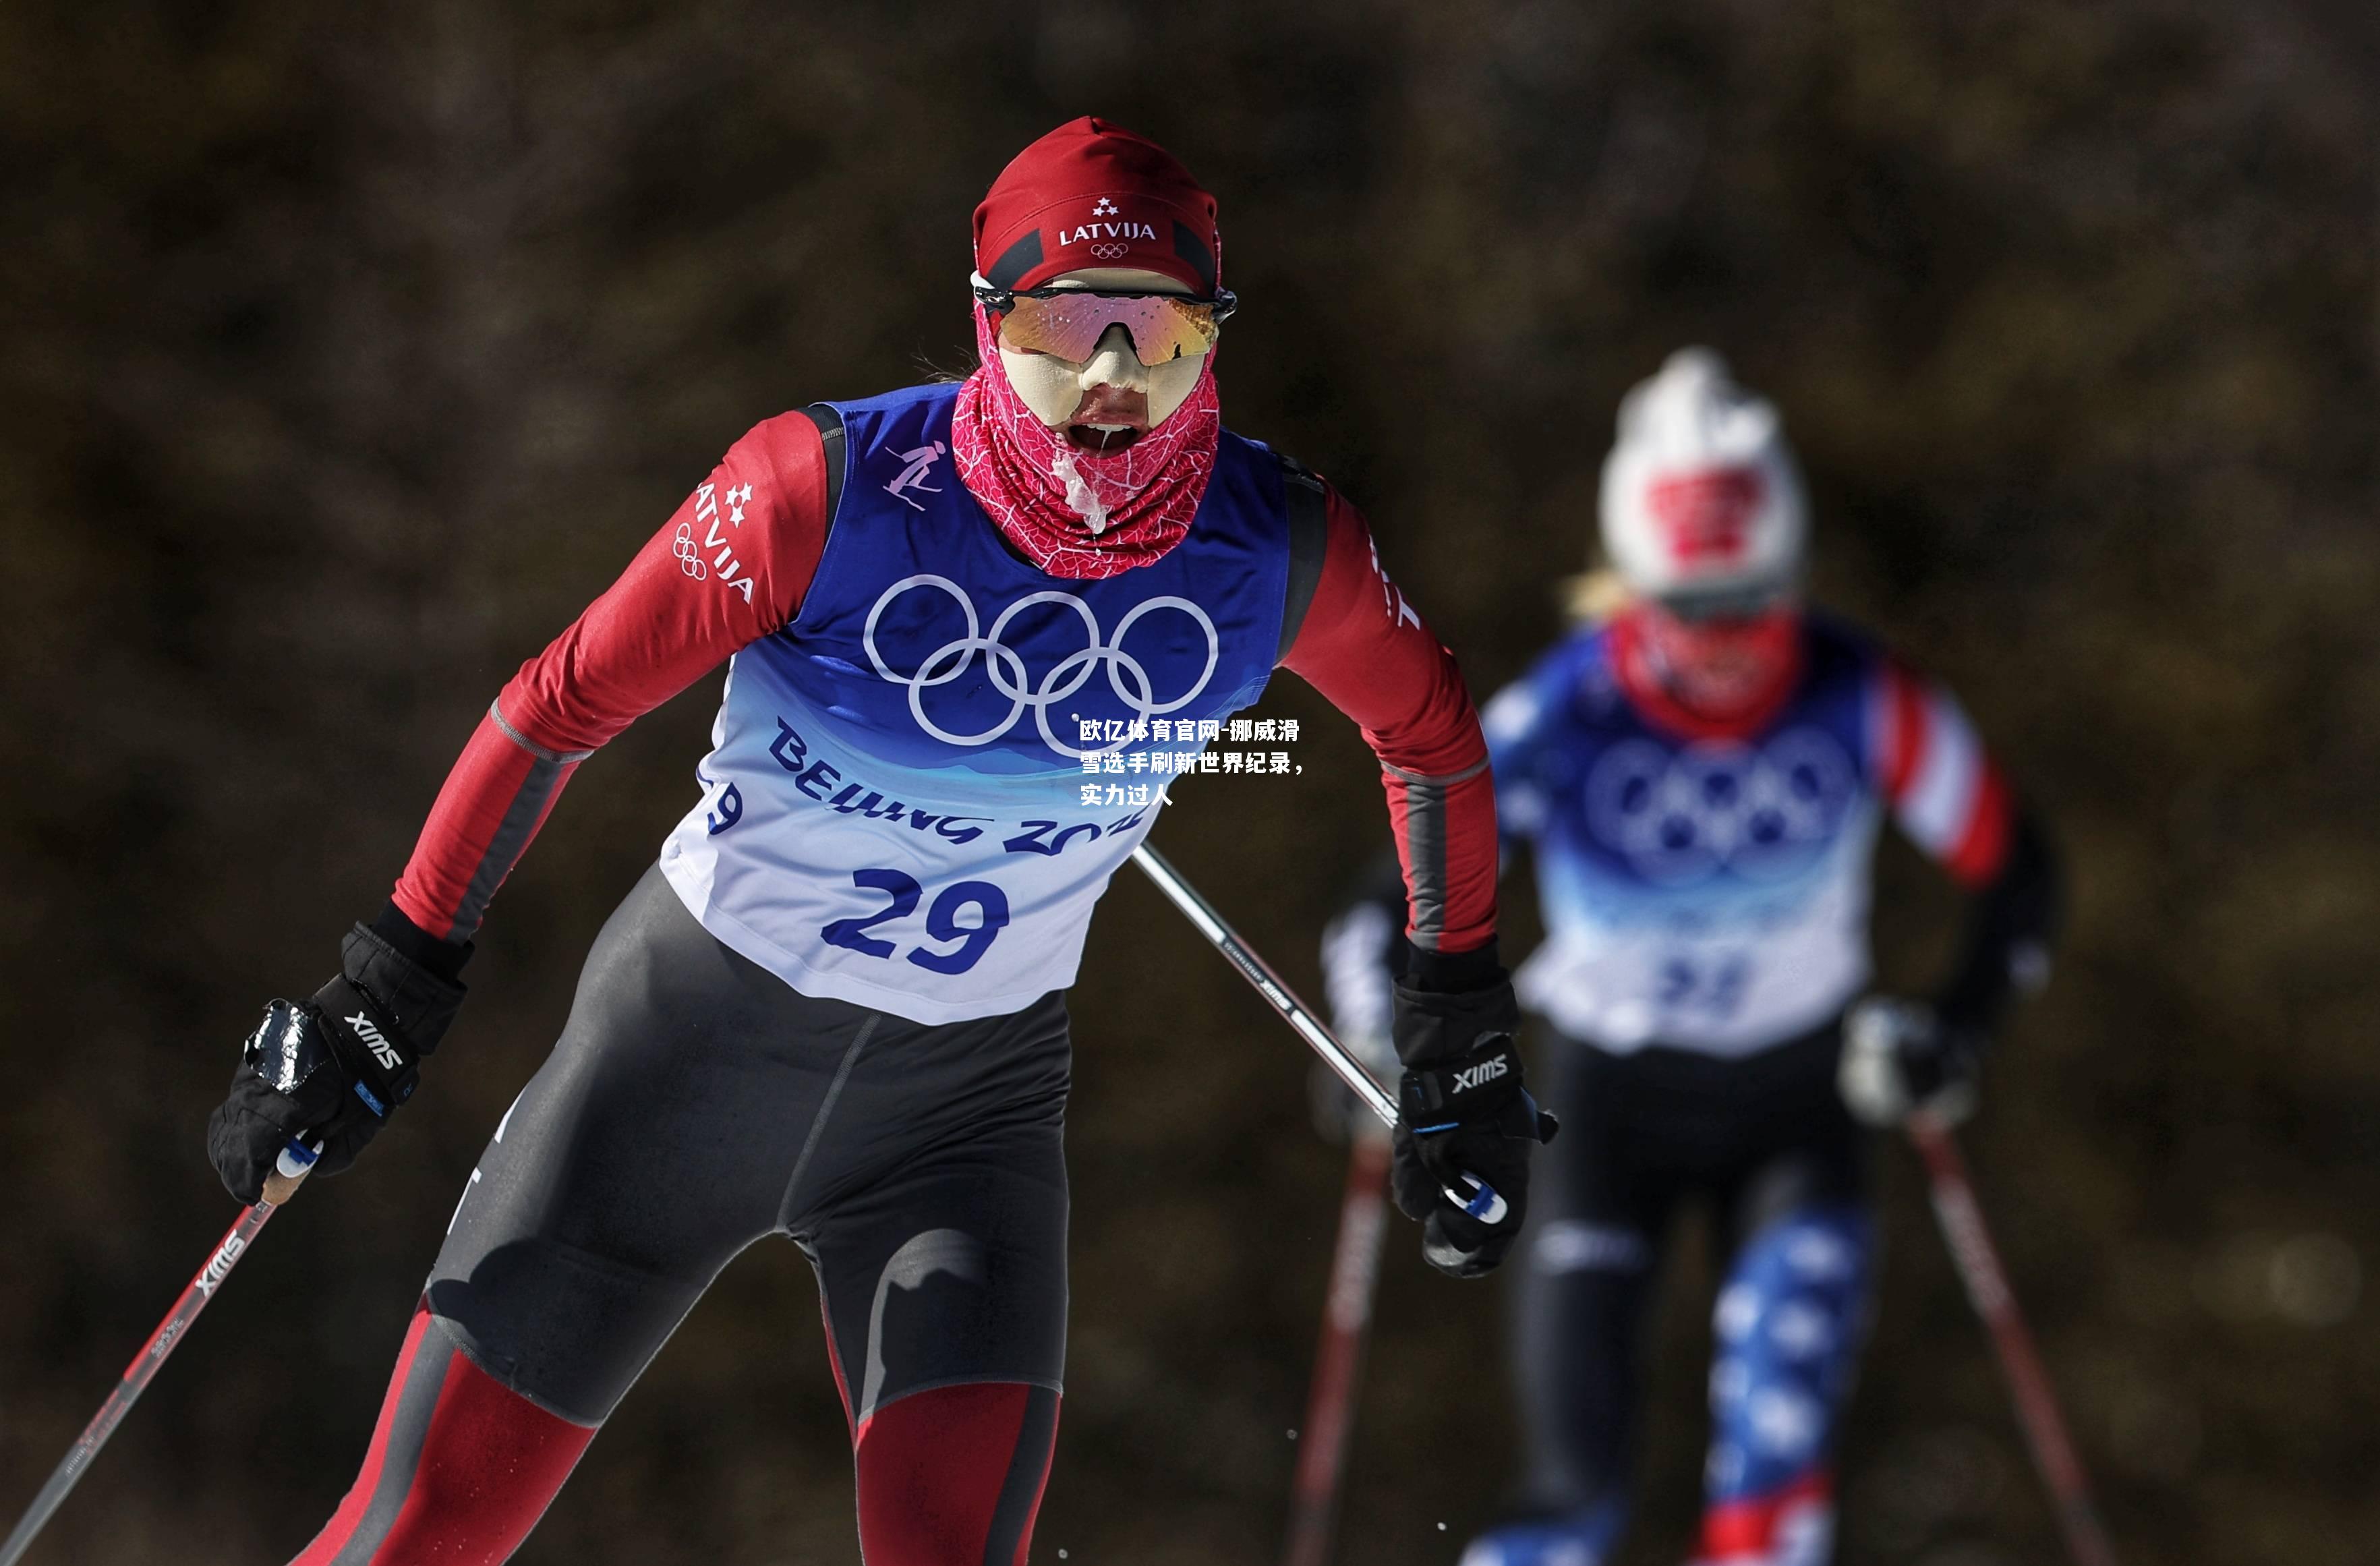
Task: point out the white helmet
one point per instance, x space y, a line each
1702 503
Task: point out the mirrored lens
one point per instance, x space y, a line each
1069 325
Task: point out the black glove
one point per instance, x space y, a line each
1465 1116
333 1069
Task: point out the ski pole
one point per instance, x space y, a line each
1346 1320
290 1171
1482 1203
1987 1288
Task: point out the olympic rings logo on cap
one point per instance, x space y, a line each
1677 817
1106 250
689 559
1006 669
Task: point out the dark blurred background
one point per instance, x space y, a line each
349 350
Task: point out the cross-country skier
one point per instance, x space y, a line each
834 1009
1701 775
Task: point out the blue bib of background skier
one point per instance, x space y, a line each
932 646
1660 815
896 807
1705 892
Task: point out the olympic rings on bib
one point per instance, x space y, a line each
1678 818
1006 666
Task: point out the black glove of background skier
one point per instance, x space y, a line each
333 1069
1464 1111
1901 1056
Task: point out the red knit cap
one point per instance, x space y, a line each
1090 194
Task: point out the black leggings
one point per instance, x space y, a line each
694 1105
1766 1142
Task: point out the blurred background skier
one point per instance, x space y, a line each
1701 766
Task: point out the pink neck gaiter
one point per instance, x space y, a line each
1077 514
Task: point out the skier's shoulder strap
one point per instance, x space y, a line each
1303 497
830 429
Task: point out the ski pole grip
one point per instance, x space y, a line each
290 1171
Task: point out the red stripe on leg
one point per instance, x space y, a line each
491 1465
484 1462
359 1500
933 1467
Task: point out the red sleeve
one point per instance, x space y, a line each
1362 646
1944 788
728 568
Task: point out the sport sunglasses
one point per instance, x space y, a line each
1068 323
1726 606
